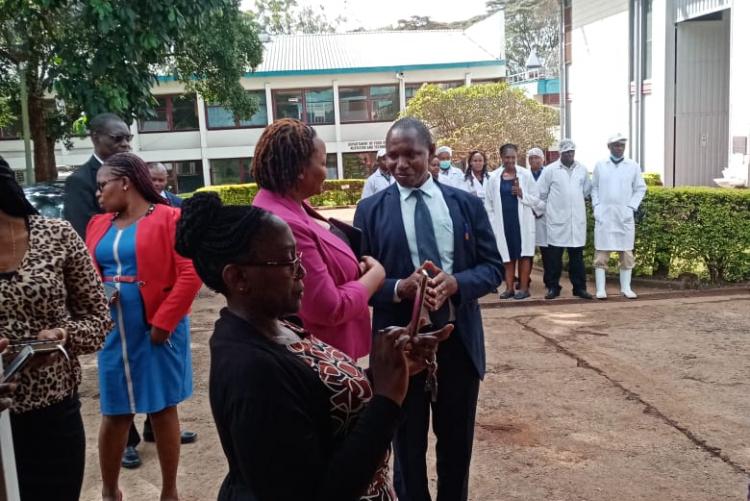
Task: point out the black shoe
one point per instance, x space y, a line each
188 437
552 293
130 458
507 294
522 295
583 294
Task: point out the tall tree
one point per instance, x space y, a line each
286 17
105 55
483 117
530 26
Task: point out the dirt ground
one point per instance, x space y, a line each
627 400
644 400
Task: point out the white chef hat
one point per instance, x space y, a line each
535 152
567 145
380 153
617 138
444 149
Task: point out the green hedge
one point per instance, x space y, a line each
700 231
336 193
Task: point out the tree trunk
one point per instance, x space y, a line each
45 168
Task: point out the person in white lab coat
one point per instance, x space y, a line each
477 174
617 191
449 175
510 199
535 161
563 188
380 179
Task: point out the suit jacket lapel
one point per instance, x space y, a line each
395 221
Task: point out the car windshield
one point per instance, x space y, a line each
47 199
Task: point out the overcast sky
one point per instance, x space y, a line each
372 14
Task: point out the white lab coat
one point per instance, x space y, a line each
375 183
526 206
563 195
617 191
452 177
541 222
473 186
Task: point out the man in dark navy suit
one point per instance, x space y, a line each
419 223
159 176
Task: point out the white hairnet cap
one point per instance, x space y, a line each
535 152
380 153
444 149
617 138
567 145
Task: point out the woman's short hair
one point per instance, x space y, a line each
13 201
283 151
508 146
135 169
214 235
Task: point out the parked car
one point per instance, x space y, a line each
48 199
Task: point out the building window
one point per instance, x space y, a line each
332 166
12 131
375 103
648 35
185 176
312 106
172 113
412 88
231 171
218 117
358 165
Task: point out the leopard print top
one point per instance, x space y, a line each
55 286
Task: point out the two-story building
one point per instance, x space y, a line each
349 86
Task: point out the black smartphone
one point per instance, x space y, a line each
18 363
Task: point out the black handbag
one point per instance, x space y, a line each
349 234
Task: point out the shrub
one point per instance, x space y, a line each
703 231
336 193
652 179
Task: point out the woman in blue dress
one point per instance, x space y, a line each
511 196
145 366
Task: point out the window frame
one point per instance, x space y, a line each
369 102
170 115
236 120
303 93
418 85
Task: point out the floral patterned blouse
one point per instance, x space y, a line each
54 286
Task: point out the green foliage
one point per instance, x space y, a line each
530 25
702 231
6 114
652 179
286 17
105 55
484 117
336 193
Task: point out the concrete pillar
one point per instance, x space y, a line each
337 125
203 129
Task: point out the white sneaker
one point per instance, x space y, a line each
625 276
601 283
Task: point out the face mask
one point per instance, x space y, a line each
445 164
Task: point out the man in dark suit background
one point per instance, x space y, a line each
110 135
411 222
159 176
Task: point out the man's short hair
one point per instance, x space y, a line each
158 166
99 122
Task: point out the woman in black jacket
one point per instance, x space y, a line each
297 418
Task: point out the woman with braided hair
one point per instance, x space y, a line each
296 417
145 365
290 166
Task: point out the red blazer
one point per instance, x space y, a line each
170 283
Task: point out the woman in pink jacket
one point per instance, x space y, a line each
289 167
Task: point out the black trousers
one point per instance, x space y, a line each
50 448
133 437
576 269
547 265
453 418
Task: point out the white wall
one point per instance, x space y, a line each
655 103
598 85
739 75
